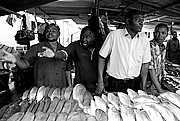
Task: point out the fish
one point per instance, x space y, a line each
125 99
41 116
62 117
16 117
56 93
141 92
51 91
172 97
166 114
132 94
46 91
173 108
68 92
78 94
32 94
100 103
127 113
104 97
144 99
113 99
152 112
141 115
40 93
114 114
101 115
25 94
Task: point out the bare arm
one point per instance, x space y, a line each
100 85
15 58
144 73
69 77
155 80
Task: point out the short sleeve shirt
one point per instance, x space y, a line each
126 54
47 71
158 58
86 64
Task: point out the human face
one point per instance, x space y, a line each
135 23
87 39
52 33
174 34
160 34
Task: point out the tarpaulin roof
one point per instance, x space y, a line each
156 11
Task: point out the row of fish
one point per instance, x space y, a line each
77 104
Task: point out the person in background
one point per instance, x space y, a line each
49 69
84 53
129 55
173 49
156 66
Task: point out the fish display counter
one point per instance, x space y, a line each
171 80
78 104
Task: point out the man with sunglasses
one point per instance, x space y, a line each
128 50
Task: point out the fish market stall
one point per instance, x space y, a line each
172 78
78 104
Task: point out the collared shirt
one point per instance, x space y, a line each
47 71
86 64
173 50
157 58
126 54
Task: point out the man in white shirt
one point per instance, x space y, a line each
129 54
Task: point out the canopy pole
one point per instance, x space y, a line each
97 7
10 11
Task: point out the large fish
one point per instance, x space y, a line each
68 92
104 97
173 108
87 99
141 115
56 93
16 117
25 94
41 116
51 91
101 115
40 93
152 112
141 92
32 94
52 116
113 114
113 99
172 97
29 116
100 103
125 99
62 117
127 113
144 99
46 91
166 114
78 94
131 94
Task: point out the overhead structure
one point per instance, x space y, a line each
156 11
